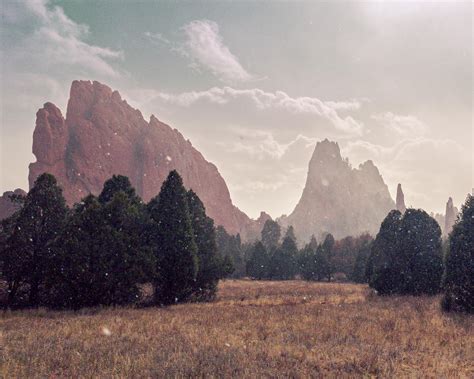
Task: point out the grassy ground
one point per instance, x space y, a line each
254 329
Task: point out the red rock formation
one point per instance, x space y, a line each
338 199
400 199
102 135
7 206
450 217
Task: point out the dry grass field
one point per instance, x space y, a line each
254 329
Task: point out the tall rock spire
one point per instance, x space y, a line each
400 199
337 198
450 217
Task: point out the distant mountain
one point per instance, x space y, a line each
102 135
339 199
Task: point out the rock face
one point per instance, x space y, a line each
338 199
102 135
252 231
450 216
400 199
8 207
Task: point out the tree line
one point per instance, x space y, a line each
277 257
407 257
104 249
107 247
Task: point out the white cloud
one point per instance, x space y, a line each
406 126
261 143
263 100
56 42
205 47
157 38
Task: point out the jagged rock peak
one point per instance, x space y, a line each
103 135
400 199
450 216
337 198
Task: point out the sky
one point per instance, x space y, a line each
254 85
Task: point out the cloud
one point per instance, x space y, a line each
205 47
263 100
261 143
407 126
56 41
157 38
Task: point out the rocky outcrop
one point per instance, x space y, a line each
7 206
450 217
339 199
252 231
400 202
102 135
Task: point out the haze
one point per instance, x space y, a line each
255 85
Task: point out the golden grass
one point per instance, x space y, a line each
254 329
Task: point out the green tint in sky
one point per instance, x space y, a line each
254 85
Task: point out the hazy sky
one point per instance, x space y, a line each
254 85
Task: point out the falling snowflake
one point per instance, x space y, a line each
106 331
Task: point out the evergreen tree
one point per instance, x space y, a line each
384 266
458 281
320 263
358 272
283 260
258 263
118 183
230 249
174 244
406 254
271 233
290 233
307 260
420 247
101 258
26 252
327 266
211 267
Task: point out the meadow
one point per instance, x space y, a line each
253 329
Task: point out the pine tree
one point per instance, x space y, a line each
174 244
358 272
406 254
26 254
458 281
290 233
271 233
101 258
383 269
328 254
230 249
118 183
283 260
258 263
420 247
307 260
211 267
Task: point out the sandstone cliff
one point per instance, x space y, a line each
102 135
339 199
